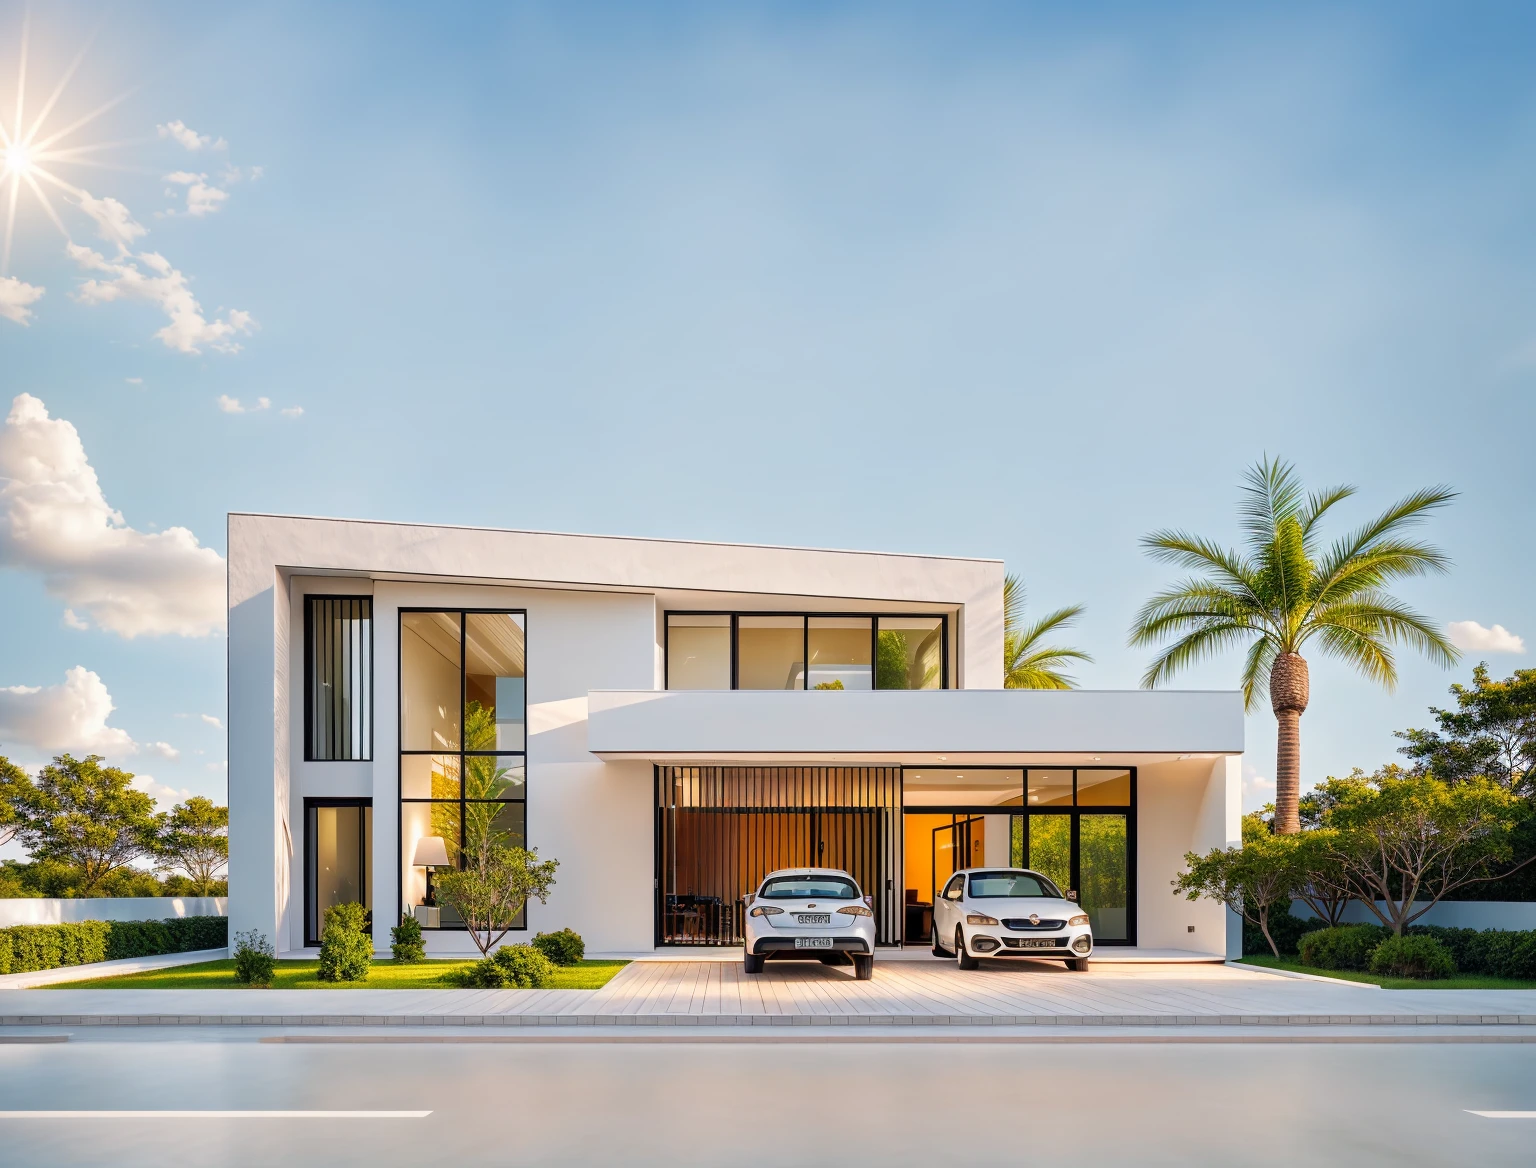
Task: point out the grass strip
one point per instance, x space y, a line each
1466 981
303 975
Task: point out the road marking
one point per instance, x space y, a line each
1505 1114
214 1114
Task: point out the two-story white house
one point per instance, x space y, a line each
672 719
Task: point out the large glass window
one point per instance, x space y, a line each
699 650
963 787
338 835
818 651
338 678
463 733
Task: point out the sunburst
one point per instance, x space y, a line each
31 150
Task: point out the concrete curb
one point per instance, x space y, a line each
757 1021
64 973
1293 974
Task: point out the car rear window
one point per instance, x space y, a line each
802 887
985 884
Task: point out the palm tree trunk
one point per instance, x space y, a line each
1289 690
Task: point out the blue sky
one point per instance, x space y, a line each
1019 281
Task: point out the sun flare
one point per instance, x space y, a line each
31 147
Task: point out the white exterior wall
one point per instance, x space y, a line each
1184 806
41 910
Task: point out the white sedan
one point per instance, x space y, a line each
810 912
1008 912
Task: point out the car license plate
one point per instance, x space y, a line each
813 942
814 918
1031 943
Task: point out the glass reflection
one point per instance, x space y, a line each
770 652
909 653
840 652
1103 788
699 651
429 681
493 681
1049 788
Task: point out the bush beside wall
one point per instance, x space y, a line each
1287 930
30 948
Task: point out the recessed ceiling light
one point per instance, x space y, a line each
943 758
1096 758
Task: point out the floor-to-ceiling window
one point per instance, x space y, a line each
753 650
1074 824
338 836
463 773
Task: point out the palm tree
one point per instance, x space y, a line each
1285 590
1027 664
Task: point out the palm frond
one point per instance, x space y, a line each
1370 655
1013 602
1261 655
1406 512
1193 552
1272 495
1388 620
1027 664
1192 603
1383 561
1317 506
1209 639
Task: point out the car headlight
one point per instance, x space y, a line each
1079 919
979 919
765 910
856 910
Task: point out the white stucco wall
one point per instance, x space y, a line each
1183 806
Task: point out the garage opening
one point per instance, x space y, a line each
720 830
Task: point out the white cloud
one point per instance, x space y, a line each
186 136
165 797
163 749
1472 637
1257 790
54 519
211 720
71 621
202 197
292 411
233 405
134 380
114 222
165 287
69 717
16 299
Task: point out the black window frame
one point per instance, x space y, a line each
945 680
310 600
461 753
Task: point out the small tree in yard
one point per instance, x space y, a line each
196 840
492 888
1254 881
88 816
1400 843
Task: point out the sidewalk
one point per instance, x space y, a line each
796 994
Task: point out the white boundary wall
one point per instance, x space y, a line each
57 911
1452 914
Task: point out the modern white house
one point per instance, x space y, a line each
671 720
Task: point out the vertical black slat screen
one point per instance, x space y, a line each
722 829
339 656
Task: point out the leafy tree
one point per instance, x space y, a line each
492 888
16 795
1028 664
1491 732
195 840
89 817
1399 843
1254 881
1287 590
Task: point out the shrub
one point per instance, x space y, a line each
35 947
1344 947
137 939
512 967
563 948
188 934
406 946
346 947
254 959
1285 928
1409 956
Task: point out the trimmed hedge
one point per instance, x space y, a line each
29 948
563 948
1420 957
1346 947
519 967
1493 952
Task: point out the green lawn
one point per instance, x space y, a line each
1460 982
300 975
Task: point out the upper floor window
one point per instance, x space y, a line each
722 650
338 678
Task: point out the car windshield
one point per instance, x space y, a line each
985 884
805 887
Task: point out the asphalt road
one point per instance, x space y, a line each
700 1104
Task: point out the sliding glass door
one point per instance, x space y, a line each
337 837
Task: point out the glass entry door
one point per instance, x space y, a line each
1090 853
337 838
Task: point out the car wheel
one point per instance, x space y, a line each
965 959
752 963
938 950
1077 964
863 966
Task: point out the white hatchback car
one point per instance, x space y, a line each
810 912
1009 912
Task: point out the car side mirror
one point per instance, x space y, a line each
953 894
1072 894
750 897
869 901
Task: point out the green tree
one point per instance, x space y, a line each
1027 663
1287 590
1399 843
492 888
1491 732
1254 881
195 840
89 816
16 795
